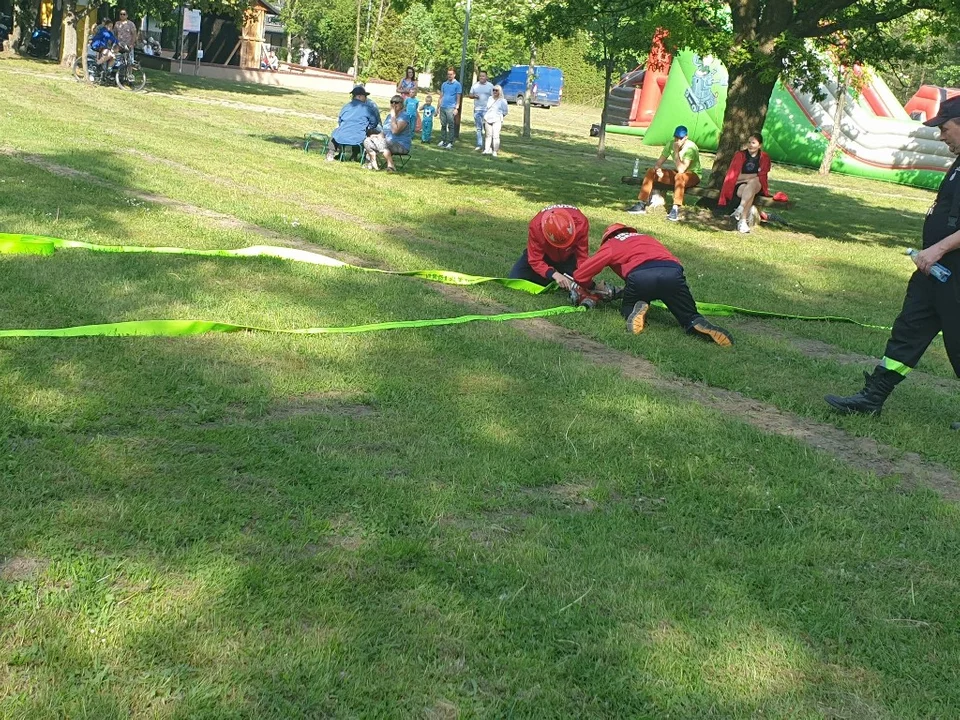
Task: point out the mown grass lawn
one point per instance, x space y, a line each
454 522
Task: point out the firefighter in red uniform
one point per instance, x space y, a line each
651 273
557 243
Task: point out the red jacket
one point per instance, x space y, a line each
623 253
736 165
541 252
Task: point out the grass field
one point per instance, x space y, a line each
541 519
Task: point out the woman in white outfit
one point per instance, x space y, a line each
493 120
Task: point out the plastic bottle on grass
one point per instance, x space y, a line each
636 167
938 271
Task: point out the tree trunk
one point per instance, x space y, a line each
748 96
607 83
376 33
83 48
69 37
56 23
356 43
26 14
528 95
842 86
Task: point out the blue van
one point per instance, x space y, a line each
547 85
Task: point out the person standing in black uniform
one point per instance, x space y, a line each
930 306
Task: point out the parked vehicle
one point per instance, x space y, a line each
547 85
39 42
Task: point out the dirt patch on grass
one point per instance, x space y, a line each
329 404
863 453
265 109
442 710
21 568
571 496
819 350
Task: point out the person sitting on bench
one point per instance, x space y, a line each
686 159
396 138
354 119
746 178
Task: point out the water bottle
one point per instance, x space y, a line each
636 167
938 271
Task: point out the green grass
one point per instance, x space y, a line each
445 522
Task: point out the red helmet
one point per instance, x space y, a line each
558 228
615 229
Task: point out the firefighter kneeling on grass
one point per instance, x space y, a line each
557 241
651 273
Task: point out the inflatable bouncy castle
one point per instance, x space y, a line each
878 138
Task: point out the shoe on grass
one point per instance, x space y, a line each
708 331
441 144
743 226
637 318
674 214
640 208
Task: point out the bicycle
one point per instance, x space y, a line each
127 75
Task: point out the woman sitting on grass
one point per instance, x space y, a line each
746 178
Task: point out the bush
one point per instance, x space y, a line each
582 81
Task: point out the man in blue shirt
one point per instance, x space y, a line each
356 117
450 93
396 138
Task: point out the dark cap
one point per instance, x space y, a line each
680 132
949 109
359 90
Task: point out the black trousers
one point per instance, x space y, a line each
521 269
929 308
661 280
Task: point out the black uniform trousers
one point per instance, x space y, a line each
660 280
929 308
521 269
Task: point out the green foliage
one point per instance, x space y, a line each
326 26
936 60
393 52
583 82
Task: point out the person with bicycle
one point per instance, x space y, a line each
103 43
126 32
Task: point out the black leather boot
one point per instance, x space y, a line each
869 401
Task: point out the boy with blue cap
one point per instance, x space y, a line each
686 160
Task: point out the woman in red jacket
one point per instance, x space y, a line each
746 178
652 272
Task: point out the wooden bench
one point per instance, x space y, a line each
707 193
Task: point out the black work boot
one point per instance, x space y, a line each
869 401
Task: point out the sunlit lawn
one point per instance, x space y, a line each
441 522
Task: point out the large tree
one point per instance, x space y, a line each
762 40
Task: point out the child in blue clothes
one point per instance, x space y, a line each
428 113
410 107
103 42
411 104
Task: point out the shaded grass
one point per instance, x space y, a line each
447 521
